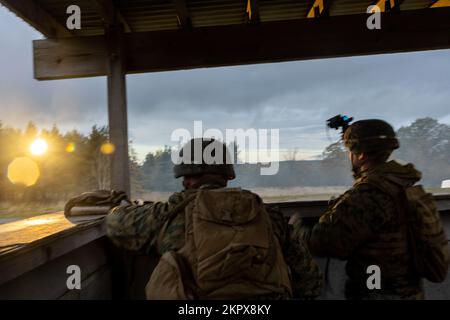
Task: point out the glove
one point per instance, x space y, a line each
107 199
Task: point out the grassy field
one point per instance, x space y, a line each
13 211
272 194
287 194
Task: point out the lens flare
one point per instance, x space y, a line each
23 171
107 148
70 147
39 147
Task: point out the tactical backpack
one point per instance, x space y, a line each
230 252
426 236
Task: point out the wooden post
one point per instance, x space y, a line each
117 110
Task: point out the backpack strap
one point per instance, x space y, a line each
187 277
171 215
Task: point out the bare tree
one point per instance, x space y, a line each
291 154
101 169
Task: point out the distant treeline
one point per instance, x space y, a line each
425 142
82 167
73 163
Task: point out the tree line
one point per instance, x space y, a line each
75 163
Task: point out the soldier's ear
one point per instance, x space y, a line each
362 156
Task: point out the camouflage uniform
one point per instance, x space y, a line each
364 228
137 228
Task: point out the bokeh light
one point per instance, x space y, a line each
70 147
39 147
23 171
107 148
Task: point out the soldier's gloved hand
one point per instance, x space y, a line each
88 201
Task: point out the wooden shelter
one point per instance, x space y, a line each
120 37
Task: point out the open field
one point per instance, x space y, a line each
10 212
287 194
272 194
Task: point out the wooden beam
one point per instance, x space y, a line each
440 4
38 18
110 14
117 110
252 11
339 36
183 16
56 59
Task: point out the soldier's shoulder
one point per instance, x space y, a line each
243 191
368 191
365 198
177 197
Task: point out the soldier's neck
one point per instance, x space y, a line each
369 166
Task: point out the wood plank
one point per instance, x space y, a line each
117 111
290 40
339 36
440 3
30 243
98 286
48 281
63 58
29 230
37 17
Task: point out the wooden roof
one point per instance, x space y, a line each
163 35
153 15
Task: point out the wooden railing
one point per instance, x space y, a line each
35 254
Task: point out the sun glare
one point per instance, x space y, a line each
38 147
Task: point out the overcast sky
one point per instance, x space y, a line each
295 97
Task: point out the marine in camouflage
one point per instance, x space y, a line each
137 227
363 226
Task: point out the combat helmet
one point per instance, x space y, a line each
204 156
369 136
